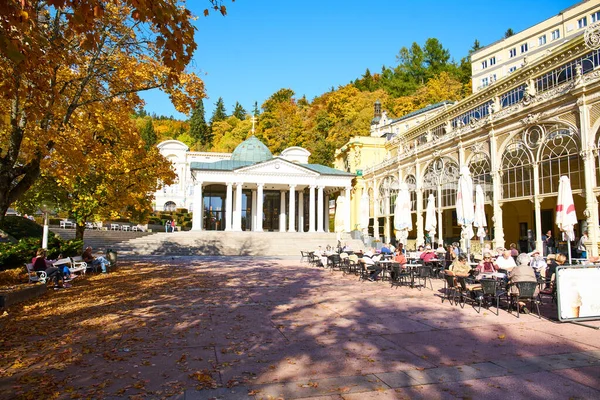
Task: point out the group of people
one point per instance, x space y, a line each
170 225
62 273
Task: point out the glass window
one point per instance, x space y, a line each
516 172
555 34
512 52
484 64
542 40
596 16
524 48
560 156
582 23
485 81
493 61
512 69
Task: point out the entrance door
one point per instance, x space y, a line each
271 211
214 208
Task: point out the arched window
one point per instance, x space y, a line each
560 156
442 172
170 206
516 171
388 191
411 182
481 168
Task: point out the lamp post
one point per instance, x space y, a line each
44 209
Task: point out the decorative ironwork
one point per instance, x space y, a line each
443 172
592 36
480 167
516 172
560 156
388 191
411 182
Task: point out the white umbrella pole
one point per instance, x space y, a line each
569 250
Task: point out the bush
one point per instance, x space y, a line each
20 227
14 255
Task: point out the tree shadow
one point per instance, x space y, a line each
276 328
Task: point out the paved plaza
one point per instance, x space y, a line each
237 328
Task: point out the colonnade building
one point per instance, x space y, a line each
517 136
252 190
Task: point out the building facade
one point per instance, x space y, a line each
517 137
252 190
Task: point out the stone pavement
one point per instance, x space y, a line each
244 327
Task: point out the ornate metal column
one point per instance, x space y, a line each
537 203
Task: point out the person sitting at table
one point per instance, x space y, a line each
370 264
506 261
89 258
400 248
538 263
487 265
427 255
558 261
440 252
460 267
41 264
449 257
346 248
521 273
385 250
513 250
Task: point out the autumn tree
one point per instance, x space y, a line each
199 129
280 124
65 63
230 132
148 134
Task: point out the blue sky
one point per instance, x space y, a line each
310 46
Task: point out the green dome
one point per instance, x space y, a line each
251 149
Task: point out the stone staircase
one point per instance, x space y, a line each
213 243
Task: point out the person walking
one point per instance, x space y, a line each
167 226
549 242
173 225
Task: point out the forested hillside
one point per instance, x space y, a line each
425 74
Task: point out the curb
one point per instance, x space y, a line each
10 298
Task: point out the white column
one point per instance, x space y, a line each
292 209
254 212
311 209
386 219
320 209
282 212
589 175
301 211
420 224
496 193
229 206
197 216
238 207
375 210
326 222
348 211
537 206
259 207
440 213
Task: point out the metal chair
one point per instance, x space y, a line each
526 293
490 289
424 273
452 291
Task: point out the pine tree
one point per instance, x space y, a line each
509 32
219 114
199 130
256 111
239 112
148 134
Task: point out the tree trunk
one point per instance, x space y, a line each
79 230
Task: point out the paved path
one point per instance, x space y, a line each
238 328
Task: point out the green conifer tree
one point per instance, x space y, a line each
199 130
239 112
148 134
219 114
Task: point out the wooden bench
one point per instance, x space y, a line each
67 224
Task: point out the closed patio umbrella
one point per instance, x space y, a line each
431 217
402 214
480 221
566 218
465 210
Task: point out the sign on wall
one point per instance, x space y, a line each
578 294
